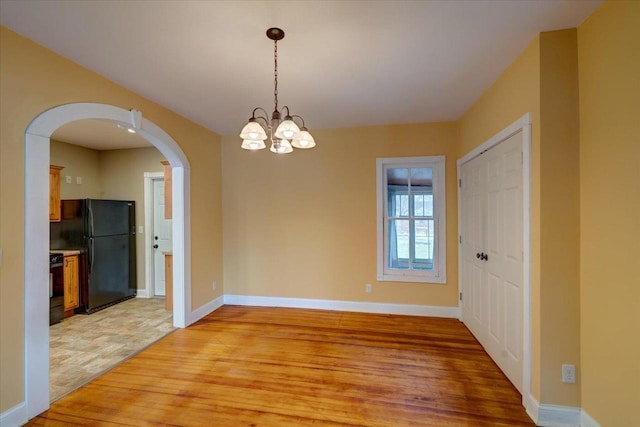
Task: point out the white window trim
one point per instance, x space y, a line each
439 273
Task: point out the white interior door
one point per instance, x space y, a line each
162 238
492 253
474 305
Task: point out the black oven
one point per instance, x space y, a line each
56 288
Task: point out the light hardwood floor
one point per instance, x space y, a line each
249 366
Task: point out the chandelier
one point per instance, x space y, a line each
283 134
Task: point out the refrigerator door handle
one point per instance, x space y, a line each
90 212
91 251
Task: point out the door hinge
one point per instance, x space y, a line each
460 182
460 296
460 239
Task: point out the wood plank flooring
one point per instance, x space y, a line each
250 366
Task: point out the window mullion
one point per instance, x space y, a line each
411 222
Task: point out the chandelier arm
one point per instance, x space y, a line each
300 117
253 115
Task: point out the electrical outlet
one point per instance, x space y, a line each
67 179
569 374
215 285
78 180
367 288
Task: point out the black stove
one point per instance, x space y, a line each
55 260
56 288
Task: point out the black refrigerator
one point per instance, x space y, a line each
104 230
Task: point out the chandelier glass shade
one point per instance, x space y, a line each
284 134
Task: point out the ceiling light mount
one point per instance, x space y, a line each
284 134
275 34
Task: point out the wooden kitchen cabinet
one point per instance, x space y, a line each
70 274
54 192
168 211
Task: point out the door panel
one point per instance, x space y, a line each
109 217
109 278
491 222
162 233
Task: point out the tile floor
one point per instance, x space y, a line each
83 347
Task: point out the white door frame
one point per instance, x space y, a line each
149 277
36 216
523 124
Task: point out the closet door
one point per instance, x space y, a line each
492 253
473 209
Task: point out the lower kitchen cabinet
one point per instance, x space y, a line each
70 274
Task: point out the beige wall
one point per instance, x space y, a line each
122 178
304 225
609 63
516 92
559 216
77 162
543 81
33 80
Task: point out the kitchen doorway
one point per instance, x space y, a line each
36 225
159 238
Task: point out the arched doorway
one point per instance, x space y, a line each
37 225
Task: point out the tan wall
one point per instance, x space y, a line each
516 92
78 162
559 216
122 178
304 225
609 63
33 80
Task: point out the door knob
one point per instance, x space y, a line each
155 246
156 237
482 256
478 255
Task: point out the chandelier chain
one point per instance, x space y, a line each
275 74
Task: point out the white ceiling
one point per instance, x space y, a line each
99 135
341 64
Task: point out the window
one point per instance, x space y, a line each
411 219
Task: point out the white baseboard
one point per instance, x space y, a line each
142 293
362 307
207 308
552 415
558 416
587 421
14 417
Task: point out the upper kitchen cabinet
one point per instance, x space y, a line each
54 192
168 213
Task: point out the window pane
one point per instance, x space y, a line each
398 192
423 205
422 189
423 244
398 244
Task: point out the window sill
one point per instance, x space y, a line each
412 279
